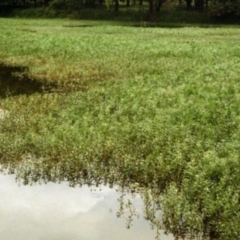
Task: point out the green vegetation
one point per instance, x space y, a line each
154 110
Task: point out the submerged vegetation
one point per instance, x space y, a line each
153 110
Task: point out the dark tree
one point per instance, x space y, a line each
150 10
199 4
189 4
159 4
116 6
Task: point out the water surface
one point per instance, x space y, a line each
58 212
14 81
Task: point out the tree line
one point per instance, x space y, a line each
215 7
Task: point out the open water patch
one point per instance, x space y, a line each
15 81
57 211
147 24
78 25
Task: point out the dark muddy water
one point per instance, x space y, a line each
58 212
14 81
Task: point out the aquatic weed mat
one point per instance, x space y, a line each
164 122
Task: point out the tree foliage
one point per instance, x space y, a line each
215 8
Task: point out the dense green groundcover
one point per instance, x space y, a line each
154 110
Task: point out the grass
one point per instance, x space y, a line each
155 110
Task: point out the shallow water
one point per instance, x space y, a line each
58 212
13 81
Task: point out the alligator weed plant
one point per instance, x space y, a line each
154 111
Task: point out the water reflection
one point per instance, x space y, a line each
58 212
